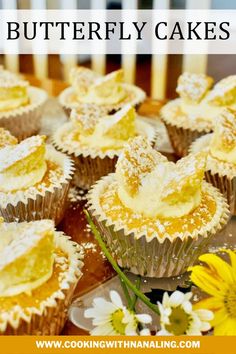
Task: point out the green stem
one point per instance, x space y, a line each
128 283
126 292
135 298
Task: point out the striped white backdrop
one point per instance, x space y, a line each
159 63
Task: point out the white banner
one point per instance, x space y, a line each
118 31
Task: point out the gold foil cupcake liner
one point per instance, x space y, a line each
219 173
226 185
25 121
153 256
91 164
48 203
181 138
135 96
50 317
88 170
182 130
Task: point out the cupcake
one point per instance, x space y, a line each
193 114
6 138
156 216
109 91
39 269
20 105
94 140
34 181
221 160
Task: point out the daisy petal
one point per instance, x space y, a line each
188 296
104 330
163 332
205 326
116 299
194 332
165 299
187 306
145 332
143 318
176 298
204 315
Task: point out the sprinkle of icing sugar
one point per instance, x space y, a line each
136 161
224 91
193 87
81 78
6 138
9 155
225 131
170 227
27 237
186 173
139 159
117 75
87 115
8 79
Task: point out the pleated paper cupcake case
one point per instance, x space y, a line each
153 257
90 164
52 206
25 121
139 97
49 203
50 318
88 169
219 173
182 138
227 186
51 322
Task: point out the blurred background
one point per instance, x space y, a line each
156 74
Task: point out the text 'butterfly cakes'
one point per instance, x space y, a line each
156 216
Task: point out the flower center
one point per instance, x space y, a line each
179 321
230 302
116 320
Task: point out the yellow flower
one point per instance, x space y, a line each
218 279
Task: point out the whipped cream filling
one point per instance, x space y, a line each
226 156
13 103
202 110
9 182
100 140
116 95
149 200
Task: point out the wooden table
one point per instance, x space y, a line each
96 268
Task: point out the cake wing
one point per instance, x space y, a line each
81 79
136 161
26 256
23 157
193 87
185 178
224 92
120 125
